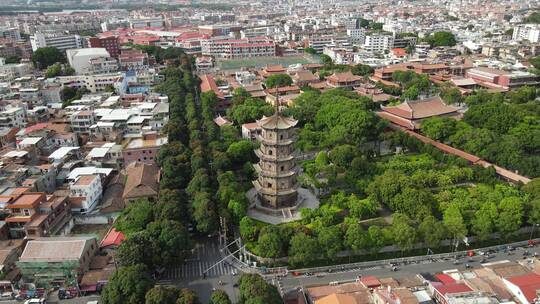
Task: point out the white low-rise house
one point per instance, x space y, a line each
85 193
13 117
63 153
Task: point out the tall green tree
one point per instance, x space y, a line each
187 296
330 240
484 220
270 243
161 295
278 80
510 215
47 56
403 233
453 220
135 217
431 231
254 289
127 285
303 250
441 38
220 297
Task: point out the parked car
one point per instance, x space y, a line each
36 301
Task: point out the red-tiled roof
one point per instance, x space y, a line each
452 288
370 281
209 84
35 127
113 237
444 278
528 283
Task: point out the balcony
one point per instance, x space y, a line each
273 158
274 192
275 174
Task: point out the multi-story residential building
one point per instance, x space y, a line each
146 22
357 35
143 149
378 42
63 43
215 30
30 95
253 32
11 71
51 93
530 32
34 214
94 83
79 59
18 48
318 42
81 122
238 48
13 117
133 59
103 65
57 260
85 193
110 43
10 33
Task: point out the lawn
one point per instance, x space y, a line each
258 62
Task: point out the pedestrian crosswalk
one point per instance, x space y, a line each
194 269
204 256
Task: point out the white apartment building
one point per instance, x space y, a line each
13 117
257 32
529 32
63 43
79 59
378 42
357 35
319 42
30 95
94 83
11 71
85 193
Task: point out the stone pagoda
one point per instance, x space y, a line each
276 185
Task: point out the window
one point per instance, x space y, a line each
281 136
269 185
282 168
270 152
26 212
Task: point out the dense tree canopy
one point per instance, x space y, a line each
47 56
254 289
127 285
278 80
441 38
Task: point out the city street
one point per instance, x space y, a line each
190 274
291 282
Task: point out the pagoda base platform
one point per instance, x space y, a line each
257 211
